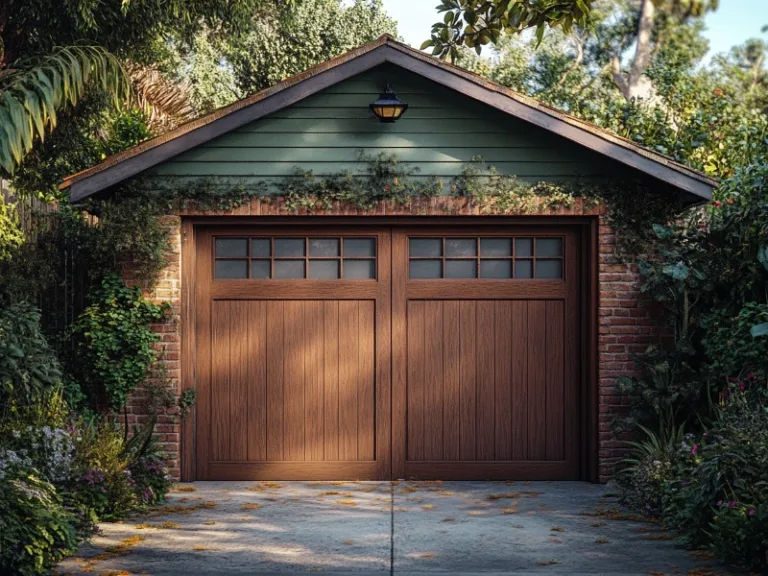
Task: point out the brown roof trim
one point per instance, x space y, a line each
385 49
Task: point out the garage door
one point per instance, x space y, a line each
485 332
357 352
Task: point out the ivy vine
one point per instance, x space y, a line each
131 228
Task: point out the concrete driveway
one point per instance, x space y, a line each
384 528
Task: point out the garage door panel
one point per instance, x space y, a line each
292 381
485 381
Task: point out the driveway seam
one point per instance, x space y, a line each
391 528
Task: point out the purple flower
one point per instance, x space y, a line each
732 504
752 511
719 502
695 449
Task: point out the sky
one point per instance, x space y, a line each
733 23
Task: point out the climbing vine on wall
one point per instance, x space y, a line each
130 226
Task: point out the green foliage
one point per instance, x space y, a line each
732 350
35 530
739 534
11 236
101 483
650 466
114 342
33 91
475 23
29 371
223 68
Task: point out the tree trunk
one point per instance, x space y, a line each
637 84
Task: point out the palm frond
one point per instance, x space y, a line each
166 103
33 90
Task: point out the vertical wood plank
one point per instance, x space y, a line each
203 353
555 399
189 357
537 370
275 380
433 380
220 385
503 380
313 378
399 340
331 380
365 406
451 378
415 386
467 380
238 370
485 386
294 354
348 379
383 358
519 380
256 359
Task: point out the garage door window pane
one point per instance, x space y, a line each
460 268
324 269
323 247
523 269
227 269
359 248
289 268
523 247
495 247
496 269
289 247
549 247
549 268
426 247
460 247
426 269
261 248
260 268
231 248
359 269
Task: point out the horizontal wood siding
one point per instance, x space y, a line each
330 131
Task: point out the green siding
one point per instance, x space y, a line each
442 130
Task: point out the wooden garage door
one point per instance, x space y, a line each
293 354
485 329
357 352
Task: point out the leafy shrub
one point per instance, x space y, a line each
114 342
732 351
29 370
152 479
48 450
739 532
728 463
649 469
101 481
35 530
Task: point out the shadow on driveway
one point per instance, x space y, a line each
384 528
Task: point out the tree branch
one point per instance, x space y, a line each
576 62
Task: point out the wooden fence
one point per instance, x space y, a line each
63 300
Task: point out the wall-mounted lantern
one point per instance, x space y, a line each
388 108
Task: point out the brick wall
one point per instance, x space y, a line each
625 326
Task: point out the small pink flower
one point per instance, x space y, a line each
695 449
752 511
732 504
742 387
719 502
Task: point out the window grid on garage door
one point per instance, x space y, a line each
433 258
295 258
